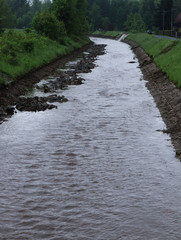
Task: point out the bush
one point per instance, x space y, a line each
47 24
28 46
28 30
12 60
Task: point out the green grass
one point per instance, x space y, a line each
21 52
116 34
166 54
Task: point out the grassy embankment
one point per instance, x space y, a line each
166 54
114 34
20 52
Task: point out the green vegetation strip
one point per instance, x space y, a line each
21 52
166 53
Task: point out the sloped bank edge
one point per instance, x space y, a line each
10 93
166 95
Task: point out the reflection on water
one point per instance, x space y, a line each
95 168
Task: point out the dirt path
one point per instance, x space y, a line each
165 93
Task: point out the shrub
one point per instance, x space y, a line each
28 30
28 45
12 60
47 24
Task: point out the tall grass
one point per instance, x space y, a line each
21 52
166 54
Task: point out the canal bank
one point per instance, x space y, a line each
10 93
166 95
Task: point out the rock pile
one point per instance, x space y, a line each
61 82
6 112
35 104
69 77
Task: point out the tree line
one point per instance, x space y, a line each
70 16
132 15
19 13
53 18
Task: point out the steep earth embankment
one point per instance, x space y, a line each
166 95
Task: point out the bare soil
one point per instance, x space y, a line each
166 95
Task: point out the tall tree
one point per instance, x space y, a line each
147 9
81 16
135 23
36 6
5 15
46 5
176 7
65 10
163 14
20 10
73 14
95 17
19 7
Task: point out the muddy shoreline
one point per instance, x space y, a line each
166 95
9 94
13 96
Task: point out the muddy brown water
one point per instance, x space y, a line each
96 168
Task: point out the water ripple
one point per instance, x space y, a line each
95 168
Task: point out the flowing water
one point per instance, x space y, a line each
96 168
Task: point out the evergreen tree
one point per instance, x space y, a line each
176 7
36 6
111 13
81 23
147 10
96 17
5 15
65 11
46 5
19 7
163 14
20 10
135 23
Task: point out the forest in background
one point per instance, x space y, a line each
129 15
21 14
132 15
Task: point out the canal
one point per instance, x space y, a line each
99 167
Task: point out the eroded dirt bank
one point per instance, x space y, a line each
10 96
166 95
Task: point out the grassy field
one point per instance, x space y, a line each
21 52
166 54
116 34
